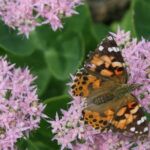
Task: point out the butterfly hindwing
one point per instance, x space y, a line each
97 121
126 116
131 118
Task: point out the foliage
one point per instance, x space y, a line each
52 56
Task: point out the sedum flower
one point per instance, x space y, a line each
69 128
26 15
121 37
137 58
20 110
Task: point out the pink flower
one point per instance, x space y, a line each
121 37
137 56
26 15
20 109
69 128
80 136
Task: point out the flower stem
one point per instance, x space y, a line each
56 98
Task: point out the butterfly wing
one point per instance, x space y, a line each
105 64
103 74
130 118
83 83
123 115
107 61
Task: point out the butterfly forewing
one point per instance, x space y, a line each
102 65
107 61
84 83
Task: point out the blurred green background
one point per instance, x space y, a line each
52 56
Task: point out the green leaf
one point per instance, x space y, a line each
101 31
43 78
55 104
126 22
83 25
141 18
45 36
34 142
11 42
56 99
77 22
148 116
66 56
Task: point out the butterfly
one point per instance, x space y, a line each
102 83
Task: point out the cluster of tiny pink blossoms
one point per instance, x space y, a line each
71 132
137 57
20 110
25 15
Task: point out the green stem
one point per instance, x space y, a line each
56 98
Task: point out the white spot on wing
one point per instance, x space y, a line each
141 132
136 132
141 120
109 38
145 129
110 49
114 49
117 49
132 129
101 48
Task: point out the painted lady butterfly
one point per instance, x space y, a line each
102 83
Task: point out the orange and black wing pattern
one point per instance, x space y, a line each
83 83
102 82
105 63
128 117
106 60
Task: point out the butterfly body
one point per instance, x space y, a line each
103 85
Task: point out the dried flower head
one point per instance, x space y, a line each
20 110
26 15
137 58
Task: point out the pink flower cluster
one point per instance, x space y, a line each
20 110
25 15
137 57
71 132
